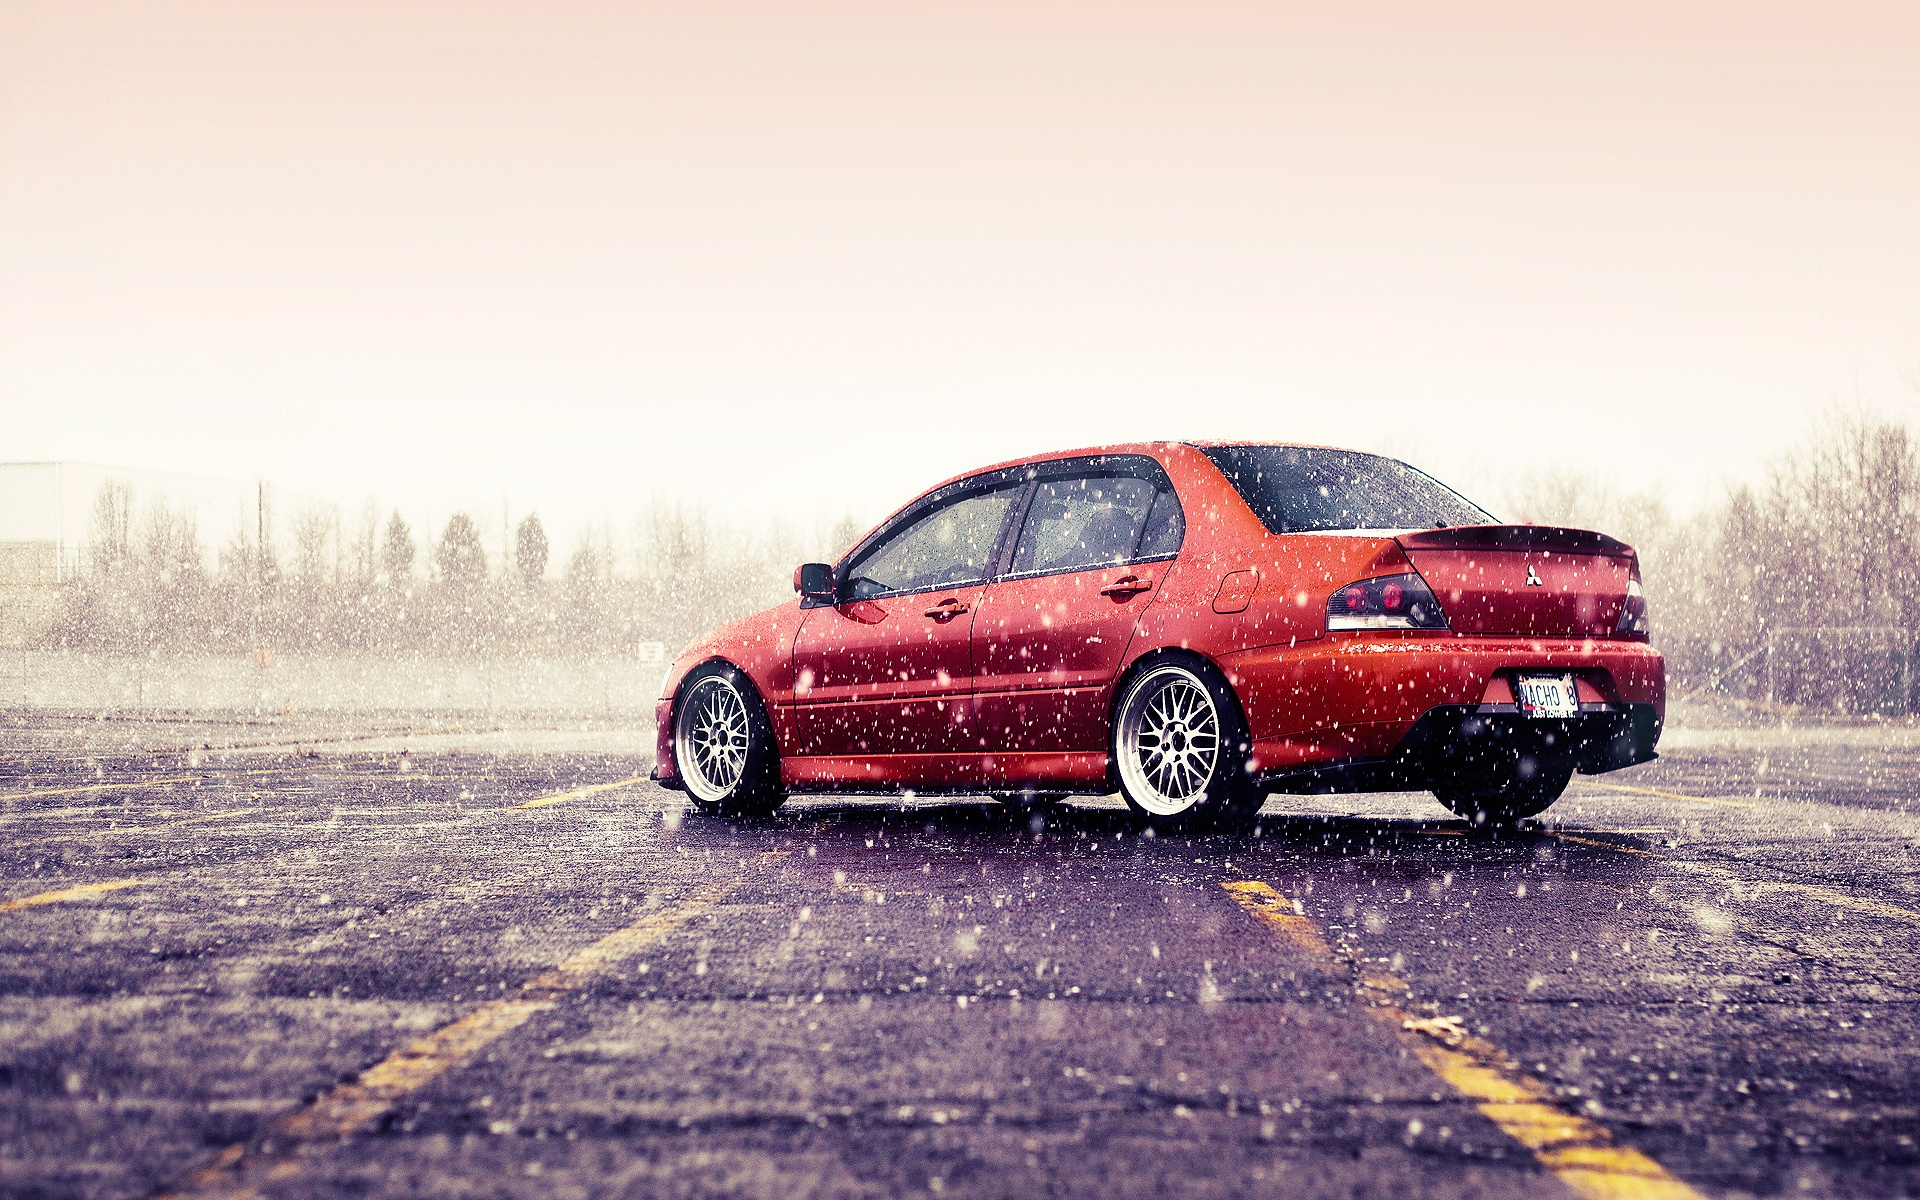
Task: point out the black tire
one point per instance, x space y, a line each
1164 715
723 744
1521 778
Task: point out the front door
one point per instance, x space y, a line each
888 669
1051 634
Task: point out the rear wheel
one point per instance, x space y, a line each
1518 780
723 744
1180 746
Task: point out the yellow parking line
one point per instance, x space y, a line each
550 801
1854 902
1278 914
1618 787
1577 1150
100 787
219 816
339 1111
1839 899
64 894
120 830
1568 837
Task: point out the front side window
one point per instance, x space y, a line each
1083 522
1298 489
948 546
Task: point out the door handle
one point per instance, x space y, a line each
1127 585
947 609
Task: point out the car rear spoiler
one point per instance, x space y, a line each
1548 538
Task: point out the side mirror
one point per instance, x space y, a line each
814 581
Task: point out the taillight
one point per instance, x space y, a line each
1389 602
1633 614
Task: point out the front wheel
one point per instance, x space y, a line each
723 744
1180 746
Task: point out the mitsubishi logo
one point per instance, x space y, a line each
1533 580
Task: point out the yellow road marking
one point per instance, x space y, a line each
1617 787
336 1113
64 894
219 816
1277 913
1577 1150
1854 902
119 829
550 801
1839 899
1568 837
100 787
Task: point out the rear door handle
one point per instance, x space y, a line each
1127 585
947 609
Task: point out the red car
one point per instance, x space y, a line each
1196 625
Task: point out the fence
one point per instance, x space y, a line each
1862 670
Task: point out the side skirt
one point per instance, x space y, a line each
1070 771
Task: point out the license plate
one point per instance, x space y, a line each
1548 696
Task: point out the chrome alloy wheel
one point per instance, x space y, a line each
1168 740
710 739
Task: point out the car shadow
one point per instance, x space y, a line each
984 823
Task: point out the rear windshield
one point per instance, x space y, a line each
1295 489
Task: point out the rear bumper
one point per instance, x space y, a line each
1455 736
1357 697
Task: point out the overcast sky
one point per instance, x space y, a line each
814 257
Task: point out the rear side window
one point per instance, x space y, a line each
1298 489
1166 526
1081 522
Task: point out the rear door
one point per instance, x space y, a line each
1093 548
888 668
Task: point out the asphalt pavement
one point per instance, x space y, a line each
335 969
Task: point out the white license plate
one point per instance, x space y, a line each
1548 696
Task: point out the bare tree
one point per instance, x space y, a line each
110 543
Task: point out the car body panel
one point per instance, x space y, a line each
1550 582
887 676
1046 652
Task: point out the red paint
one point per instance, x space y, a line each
1236 591
889 676
1046 652
1561 583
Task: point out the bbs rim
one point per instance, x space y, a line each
711 739
1168 740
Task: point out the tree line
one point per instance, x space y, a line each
311 585
1801 588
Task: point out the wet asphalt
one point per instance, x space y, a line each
932 997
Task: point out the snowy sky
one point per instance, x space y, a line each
814 257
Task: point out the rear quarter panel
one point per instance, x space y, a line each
1293 574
